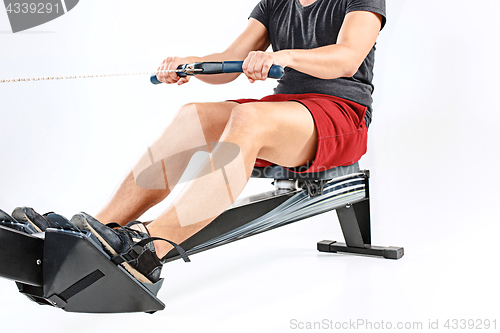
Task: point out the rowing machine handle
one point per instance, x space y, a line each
275 72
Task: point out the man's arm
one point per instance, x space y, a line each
253 38
356 38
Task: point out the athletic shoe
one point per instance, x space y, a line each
40 223
130 246
8 221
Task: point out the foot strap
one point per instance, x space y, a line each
138 248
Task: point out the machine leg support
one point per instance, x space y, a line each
356 227
390 252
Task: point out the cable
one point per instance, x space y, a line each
78 76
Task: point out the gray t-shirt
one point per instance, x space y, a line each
292 26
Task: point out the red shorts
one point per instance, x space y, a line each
342 133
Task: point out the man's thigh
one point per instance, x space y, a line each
289 133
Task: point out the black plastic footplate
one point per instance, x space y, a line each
390 252
71 271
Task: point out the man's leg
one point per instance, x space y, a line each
280 132
194 125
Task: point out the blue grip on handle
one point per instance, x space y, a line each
276 71
154 79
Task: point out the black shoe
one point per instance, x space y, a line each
8 221
39 222
130 246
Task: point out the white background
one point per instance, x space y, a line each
433 154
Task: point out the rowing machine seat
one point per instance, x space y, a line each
279 172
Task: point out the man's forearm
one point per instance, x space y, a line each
327 62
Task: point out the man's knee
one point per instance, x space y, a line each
187 112
212 117
249 119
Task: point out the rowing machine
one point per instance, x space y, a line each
70 269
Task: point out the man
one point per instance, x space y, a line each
317 117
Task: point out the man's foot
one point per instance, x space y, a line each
25 219
8 221
40 223
131 246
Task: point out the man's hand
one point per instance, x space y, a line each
171 63
257 64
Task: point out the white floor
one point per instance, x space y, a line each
278 282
